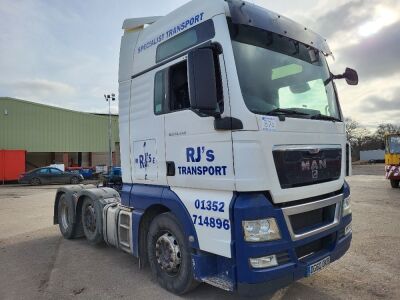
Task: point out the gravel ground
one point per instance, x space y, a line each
36 263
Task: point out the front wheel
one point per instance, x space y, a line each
169 255
394 183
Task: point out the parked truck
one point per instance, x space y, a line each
392 158
233 152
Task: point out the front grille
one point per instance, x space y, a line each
314 247
282 258
301 167
341 234
310 220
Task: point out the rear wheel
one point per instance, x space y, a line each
92 221
394 183
35 181
65 211
169 255
118 185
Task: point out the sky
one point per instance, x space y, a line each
65 53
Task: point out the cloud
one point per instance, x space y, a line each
344 17
41 88
378 104
346 23
377 55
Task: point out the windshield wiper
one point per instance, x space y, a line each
281 113
325 117
285 111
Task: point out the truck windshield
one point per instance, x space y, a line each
278 75
394 144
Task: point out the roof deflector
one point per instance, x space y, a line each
138 22
245 13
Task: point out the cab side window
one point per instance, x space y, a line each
159 92
171 89
178 87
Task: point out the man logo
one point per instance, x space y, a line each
314 166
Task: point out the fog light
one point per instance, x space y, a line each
264 262
348 229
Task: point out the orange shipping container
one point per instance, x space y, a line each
12 164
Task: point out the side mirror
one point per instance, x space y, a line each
351 76
202 81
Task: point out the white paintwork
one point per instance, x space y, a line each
136 23
147 59
246 154
210 239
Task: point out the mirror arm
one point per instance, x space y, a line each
333 77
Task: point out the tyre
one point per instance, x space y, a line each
394 183
118 185
169 255
65 211
92 221
35 181
74 180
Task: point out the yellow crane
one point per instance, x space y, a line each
392 158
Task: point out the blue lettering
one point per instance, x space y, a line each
217 170
224 170
141 162
190 154
210 155
198 154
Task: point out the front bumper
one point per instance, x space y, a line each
294 255
281 277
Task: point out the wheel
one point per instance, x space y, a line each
74 180
394 183
92 221
118 185
169 255
65 211
35 181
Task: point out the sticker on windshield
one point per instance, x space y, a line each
269 123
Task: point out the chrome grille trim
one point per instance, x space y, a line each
297 209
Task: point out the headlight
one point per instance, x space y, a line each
261 230
346 207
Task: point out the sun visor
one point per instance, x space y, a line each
245 13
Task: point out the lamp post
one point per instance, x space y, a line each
109 98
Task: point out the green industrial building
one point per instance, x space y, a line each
55 135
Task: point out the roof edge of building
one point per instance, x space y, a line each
56 107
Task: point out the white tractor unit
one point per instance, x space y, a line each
233 152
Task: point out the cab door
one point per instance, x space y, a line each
197 155
199 148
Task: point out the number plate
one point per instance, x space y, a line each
318 266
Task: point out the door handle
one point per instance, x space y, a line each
228 123
170 168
